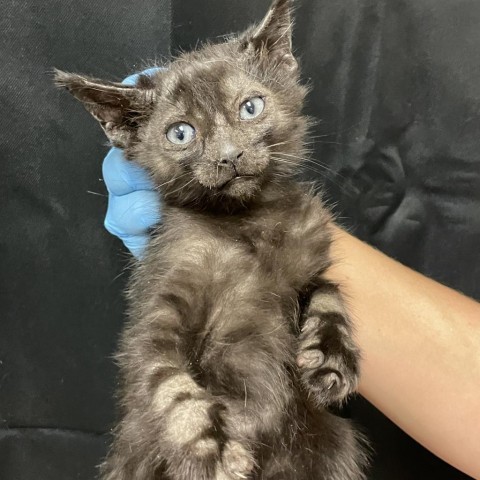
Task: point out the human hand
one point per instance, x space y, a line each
133 204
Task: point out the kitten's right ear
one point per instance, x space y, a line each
272 39
119 108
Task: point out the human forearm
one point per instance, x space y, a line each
421 350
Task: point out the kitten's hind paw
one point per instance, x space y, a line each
328 361
237 462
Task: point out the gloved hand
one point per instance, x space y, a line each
133 204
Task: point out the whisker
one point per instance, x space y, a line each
181 188
170 181
326 172
96 193
309 161
312 162
279 143
298 165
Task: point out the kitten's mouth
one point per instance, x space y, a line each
237 179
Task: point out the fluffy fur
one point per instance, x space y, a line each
236 341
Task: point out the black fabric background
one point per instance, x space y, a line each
396 85
61 300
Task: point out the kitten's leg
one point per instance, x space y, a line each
327 355
172 424
247 363
323 446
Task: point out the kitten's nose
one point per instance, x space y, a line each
230 155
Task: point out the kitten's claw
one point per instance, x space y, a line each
329 368
237 462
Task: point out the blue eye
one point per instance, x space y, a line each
180 133
252 108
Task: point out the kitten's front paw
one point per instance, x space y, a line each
193 435
203 450
328 361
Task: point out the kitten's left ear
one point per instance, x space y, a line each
273 37
120 109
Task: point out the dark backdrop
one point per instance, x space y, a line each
61 301
396 85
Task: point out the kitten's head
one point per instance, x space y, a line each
219 125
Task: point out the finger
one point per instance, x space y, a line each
132 214
137 244
123 176
132 79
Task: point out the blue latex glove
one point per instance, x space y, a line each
133 204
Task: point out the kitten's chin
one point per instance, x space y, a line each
242 188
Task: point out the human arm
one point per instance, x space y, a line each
421 350
420 340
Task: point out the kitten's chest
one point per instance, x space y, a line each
293 244
264 236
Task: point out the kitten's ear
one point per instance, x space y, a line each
119 108
273 37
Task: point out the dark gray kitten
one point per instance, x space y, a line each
236 341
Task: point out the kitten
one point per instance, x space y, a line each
236 342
